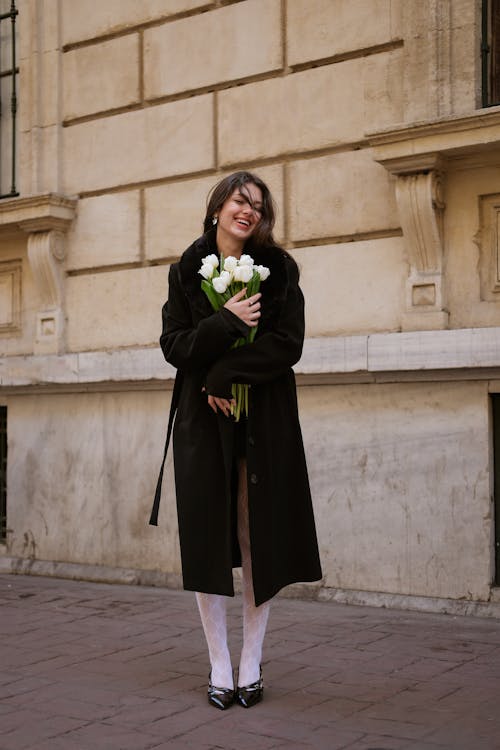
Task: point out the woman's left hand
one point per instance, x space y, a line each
223 404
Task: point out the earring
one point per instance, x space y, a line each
214 220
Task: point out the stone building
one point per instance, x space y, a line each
372 122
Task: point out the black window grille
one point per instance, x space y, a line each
490 52
3 473
495 403
9 72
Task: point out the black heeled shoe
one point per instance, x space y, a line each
249 695
219 697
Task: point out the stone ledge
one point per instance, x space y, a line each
122 365
37 213
348 356
431 604
434 350
315 591
472 139
479 119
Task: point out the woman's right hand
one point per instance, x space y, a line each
247 310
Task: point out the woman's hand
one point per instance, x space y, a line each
222 403
247 310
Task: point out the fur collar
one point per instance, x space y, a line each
273 289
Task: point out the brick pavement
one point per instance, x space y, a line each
86 666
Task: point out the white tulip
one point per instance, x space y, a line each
243 273
211 260
207 271
230 263
263 272
246 260
221 283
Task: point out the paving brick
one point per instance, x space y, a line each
106 667
33 731
380 742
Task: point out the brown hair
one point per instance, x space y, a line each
263 233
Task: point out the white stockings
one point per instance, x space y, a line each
213 618
254 618
213 612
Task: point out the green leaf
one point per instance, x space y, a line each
253 285
215 299
251 335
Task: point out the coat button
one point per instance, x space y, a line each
253 478
251 441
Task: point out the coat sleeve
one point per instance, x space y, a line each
190 347
271 354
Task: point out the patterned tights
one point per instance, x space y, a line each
213 611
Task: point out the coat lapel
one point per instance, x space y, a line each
189 265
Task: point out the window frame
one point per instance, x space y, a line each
490 53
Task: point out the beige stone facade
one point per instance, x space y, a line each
364 117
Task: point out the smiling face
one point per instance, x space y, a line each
239 215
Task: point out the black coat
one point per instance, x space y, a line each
198 342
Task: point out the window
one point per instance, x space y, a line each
8 98
490 52
3 473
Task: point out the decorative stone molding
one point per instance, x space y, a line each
10 297
37 213
466 353
420 199
46 254
419 156
421 205
488 242
46 219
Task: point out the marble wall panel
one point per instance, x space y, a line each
352 287
176 54
469 247
116 308
399 477
323 107
148 144
19 297
80 23
339 195
293 113
100 77
321 28
174 216
10 296
401 486
84 481
105 232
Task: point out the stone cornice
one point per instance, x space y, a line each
474 138
37 213
418 354
480 119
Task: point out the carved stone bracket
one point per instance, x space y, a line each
420 199
421 204
46 219
46 256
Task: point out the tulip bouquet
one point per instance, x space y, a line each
221 281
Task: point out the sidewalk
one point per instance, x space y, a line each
88 666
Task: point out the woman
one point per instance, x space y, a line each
242 490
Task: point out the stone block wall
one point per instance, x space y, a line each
158 104
399 477
139 108
362 116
